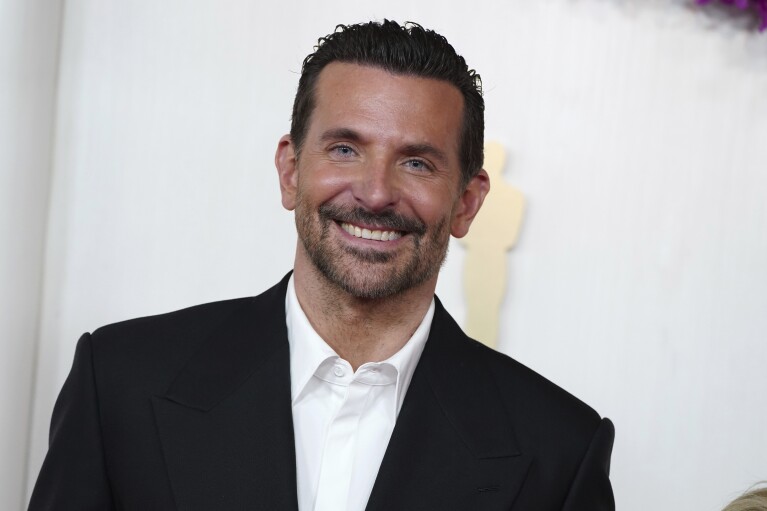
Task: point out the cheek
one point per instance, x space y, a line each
431 206
321 185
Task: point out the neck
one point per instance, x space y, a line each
360 330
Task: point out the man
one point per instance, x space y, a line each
347 385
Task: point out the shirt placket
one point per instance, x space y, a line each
337 465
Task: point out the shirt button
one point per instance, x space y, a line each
338 371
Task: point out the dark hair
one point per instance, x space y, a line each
407 49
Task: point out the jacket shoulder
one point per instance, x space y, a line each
147 352
182 322
154 349
188 323
531 395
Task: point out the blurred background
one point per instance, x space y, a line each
136 177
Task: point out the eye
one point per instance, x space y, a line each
342 151
419 165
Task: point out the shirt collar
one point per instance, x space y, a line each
308 351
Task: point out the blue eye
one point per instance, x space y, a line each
343 150
418 165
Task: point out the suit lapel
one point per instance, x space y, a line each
453 446
226 423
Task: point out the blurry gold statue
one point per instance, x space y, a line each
494 232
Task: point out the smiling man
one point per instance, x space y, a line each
347 386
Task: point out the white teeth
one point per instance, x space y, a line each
370 235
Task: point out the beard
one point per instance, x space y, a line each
369 273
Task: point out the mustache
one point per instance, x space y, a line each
391 220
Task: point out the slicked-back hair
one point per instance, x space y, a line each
409 50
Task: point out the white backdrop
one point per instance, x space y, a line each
637 131
29 48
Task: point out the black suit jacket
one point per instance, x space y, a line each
192 411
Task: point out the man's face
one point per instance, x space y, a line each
376 189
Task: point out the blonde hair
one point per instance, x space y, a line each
753 500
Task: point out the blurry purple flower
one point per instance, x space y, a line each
760 6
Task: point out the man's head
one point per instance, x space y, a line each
400 49
377 169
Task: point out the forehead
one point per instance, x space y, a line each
371 98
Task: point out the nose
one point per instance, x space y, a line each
377 186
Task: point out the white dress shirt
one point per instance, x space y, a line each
342 419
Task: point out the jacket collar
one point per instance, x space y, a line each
240 349
463 386
225 423
453 446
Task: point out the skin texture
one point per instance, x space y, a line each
381 152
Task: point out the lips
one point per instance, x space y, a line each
384 226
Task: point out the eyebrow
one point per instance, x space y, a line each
410 149
340 133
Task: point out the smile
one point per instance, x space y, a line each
368 234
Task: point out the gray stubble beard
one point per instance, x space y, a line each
411 275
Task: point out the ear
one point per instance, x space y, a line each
469 202
286 163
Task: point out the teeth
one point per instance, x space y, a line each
370 235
